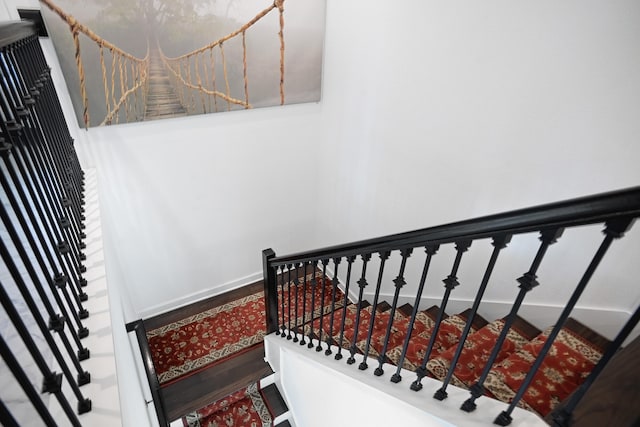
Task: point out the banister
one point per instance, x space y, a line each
574 212
13 31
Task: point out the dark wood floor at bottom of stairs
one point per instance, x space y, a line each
202 388
209 385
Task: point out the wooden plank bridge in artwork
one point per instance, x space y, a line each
158 86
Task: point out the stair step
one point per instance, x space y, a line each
569 360
383 306
285 423
274 400
478 347
476 352
406 309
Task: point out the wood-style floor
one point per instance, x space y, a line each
222 379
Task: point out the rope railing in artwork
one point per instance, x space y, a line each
127 90
180 67
128 66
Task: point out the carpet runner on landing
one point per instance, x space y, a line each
244 408
196 342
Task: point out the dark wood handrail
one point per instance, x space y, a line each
574 212
13 31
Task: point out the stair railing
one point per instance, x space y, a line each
616 211
42 214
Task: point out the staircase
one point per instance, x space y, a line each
497 357
574 354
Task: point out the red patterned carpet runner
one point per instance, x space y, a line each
196 342
188 345
244 408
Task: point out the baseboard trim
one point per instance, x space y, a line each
199 296
605 321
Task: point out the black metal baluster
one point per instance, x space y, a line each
614 230
30 391
350 260
527 282
384 255
499 243
296 283
562 417
52 382
5 151
362 283
84 377
6 148
52 99
449 283
65 233
49 226
313 301
32 130
399 282
431 251
34 90
334 287
289 267
17 93
17 134
304 303
283 326
56 323
324 281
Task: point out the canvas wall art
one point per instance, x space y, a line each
137 60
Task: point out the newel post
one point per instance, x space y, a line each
270 290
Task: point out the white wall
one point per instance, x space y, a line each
190 203
431 112
442 111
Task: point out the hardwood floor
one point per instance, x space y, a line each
614 397
211 384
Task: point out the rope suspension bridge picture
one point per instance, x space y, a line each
139 60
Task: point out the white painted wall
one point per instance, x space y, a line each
440 111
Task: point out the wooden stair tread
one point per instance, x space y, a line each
617 383
587 334
274 400
383 306
406 309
